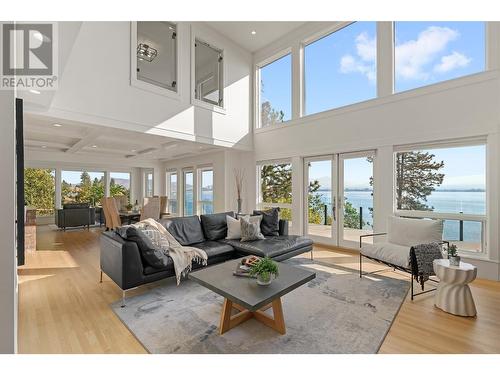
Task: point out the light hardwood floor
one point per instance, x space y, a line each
64 309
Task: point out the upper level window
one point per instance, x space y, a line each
209 74
157 54
276 91
430 52
340 68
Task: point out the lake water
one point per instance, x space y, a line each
442 201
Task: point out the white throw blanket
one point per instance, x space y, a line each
183 256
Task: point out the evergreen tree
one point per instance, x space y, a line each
416 178
39 190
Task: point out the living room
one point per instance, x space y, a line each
350 164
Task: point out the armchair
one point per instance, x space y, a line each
394 251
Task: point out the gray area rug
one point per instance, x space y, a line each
335 313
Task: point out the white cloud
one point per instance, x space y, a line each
453 61
364 63
413 56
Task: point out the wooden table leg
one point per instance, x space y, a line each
228 321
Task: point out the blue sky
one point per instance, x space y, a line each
340 68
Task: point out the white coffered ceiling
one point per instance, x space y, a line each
68 138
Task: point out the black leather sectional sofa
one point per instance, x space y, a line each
121 259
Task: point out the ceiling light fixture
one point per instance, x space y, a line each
146 53
35 92
94 146
134 150
57 125
43 146
253 32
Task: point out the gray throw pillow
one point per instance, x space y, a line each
250 230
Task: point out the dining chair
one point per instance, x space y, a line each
151 208
111 213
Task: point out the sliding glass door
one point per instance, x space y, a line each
320 185
338 191
356 203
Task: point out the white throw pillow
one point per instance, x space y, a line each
411 232
233 228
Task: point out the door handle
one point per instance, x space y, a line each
334 209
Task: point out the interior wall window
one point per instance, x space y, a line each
430 52
275 88
209 74
148 184
445 183
275 188
340 68
205 191
119 185
172 192
188 193
157 53
39 190
82 187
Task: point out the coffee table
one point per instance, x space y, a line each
249 299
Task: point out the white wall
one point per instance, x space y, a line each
461 108
8 273
96 88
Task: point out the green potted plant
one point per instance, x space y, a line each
129 207
453 255
264 270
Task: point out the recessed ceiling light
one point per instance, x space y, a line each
57 125
35 92
94 146
134 150
43 146
253 32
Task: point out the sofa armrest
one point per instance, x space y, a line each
121 261
283 227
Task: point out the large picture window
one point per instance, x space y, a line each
172 192
205 191
430 52
276 91
82 187
445 183
39 190
119 185
340 68
275 188
188 193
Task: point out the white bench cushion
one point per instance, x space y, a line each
411 232
388 252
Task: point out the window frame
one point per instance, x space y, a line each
147 86
483 219
199 183
222 80
282 53
145 182
485 52
184 172
169 174
259 202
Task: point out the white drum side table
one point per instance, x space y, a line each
453 294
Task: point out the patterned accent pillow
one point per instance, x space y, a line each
159 240
250 228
